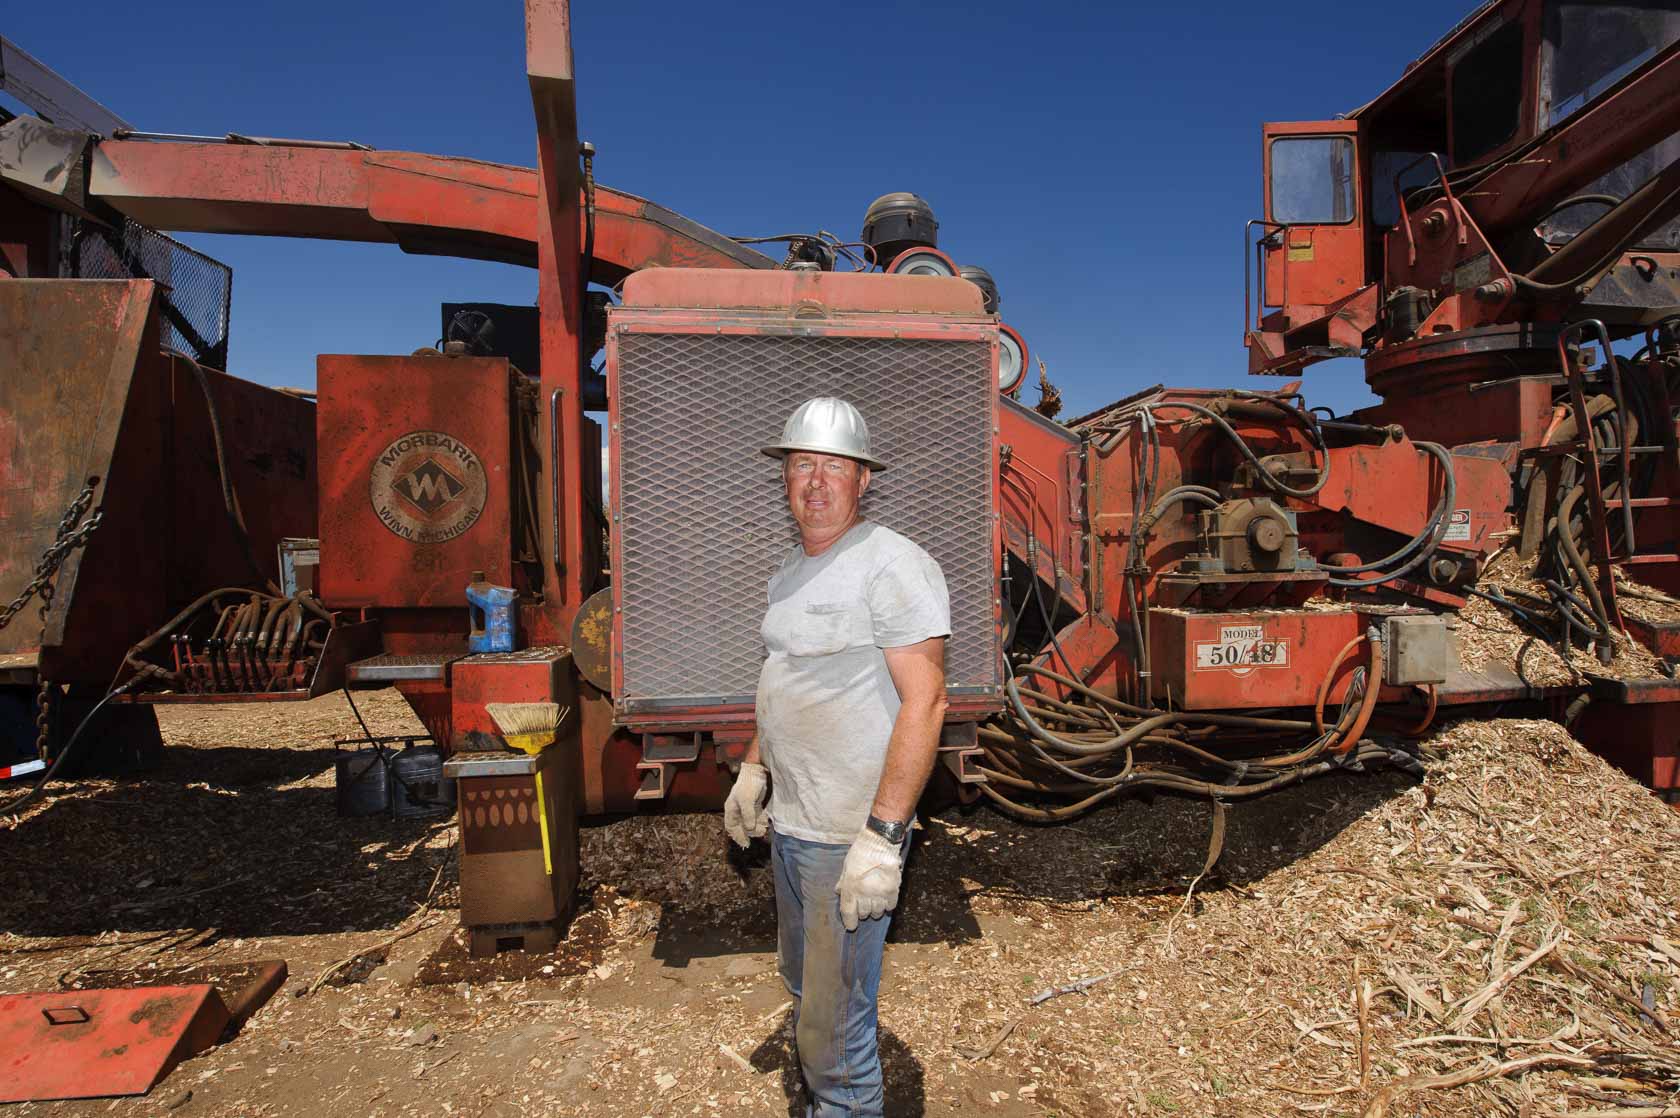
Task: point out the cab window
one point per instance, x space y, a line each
1312 180
1487 94
1592 46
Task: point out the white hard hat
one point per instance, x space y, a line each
826 425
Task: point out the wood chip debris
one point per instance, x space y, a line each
1499 938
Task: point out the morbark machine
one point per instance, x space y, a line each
1498 237
1215 592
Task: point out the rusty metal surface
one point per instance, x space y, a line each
88 394
1042 498
519 848
271 461
70 352
592 640
820 293
80 1044
537 675
1637 733
1661 637
308 677
1247 659
428 204
44 162
416 494
1377 484
700 522
243 987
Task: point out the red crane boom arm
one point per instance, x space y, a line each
428 204
1563 161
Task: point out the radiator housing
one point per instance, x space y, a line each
703 368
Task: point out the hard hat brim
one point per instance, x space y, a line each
782 450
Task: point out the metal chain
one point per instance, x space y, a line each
43 717
69 538
73 532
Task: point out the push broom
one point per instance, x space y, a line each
530 728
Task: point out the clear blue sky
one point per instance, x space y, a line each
1099 159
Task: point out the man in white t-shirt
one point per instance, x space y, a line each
850 702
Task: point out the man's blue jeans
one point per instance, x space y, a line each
834 977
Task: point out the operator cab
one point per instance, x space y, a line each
1494 89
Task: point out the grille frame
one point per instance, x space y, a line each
747 406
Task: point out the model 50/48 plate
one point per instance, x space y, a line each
1242 649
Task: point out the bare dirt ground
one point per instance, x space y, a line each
1368 941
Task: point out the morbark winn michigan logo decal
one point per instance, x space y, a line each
428 487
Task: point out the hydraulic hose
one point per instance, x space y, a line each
1199 494
1428 539
1241 444
1336 662
230 498
38 789
1422 727
1367 705
1565 538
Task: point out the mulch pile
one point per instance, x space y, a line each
1489 635
1502 937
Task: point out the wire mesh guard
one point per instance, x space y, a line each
197 289
703 522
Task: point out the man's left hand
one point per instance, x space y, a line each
869 880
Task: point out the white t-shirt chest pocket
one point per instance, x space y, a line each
820 629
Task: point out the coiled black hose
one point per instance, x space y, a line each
1266 478
1428 539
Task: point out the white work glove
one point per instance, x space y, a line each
869 880
744 816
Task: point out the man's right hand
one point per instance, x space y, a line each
744 816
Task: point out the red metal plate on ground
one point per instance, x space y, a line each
83 1044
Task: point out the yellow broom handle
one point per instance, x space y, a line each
542 821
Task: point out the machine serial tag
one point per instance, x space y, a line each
1242 649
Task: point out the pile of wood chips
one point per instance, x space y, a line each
1489 635
1502 937
1645 602
1498 939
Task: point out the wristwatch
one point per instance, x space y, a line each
892 832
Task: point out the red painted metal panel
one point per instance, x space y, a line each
817 293
1640 738
1396 485
533 675
1041 498
1451 401
416 493
270 441
83 1044
433 204
1312 265
1248 658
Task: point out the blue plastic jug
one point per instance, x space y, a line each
492 611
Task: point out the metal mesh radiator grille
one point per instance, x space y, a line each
702 521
